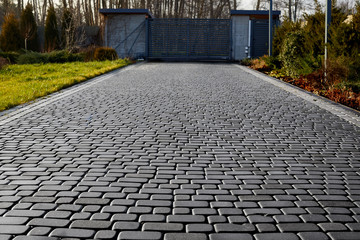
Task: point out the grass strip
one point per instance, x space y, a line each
20 84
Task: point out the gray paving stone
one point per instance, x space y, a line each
185 236
344 235
297 227
5 237
354 226
191 204
230 236
313 235
13 220
340 218
276 236
80 216
217 219
286 218
34 238
200 228
24 213
228 227
72 233
123 226
92 201
137 235
185 219
152 218
42 222
204 146
105 234
40 231
13 229
164 227
90 224
265 227
139 210
332 227
260 219
58 214
313 218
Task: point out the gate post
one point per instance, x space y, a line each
147 38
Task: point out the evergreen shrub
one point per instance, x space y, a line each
105 53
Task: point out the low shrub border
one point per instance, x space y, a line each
313 82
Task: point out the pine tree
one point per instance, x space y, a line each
51 31
28 28
10 38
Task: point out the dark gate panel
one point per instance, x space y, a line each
189 39
260 38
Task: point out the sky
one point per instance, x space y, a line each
249 4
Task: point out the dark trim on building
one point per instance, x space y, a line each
253 12
125 11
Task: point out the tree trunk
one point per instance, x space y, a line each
296 5
290 17
258 5
176 9
44 11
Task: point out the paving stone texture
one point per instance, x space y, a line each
180 151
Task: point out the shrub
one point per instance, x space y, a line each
260 64
10 38
32 58
88 53
337 71
281 33
292 55
12 57
105 53
343 96
272 62
63 56
246 62
3 62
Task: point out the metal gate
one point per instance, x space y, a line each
189 39
260 37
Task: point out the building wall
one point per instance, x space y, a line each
240 36
126 33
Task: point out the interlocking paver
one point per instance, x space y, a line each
179 151
137 235
185 236
230 236
93 224
72 233
13 229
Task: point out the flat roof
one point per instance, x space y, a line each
253 12
125 11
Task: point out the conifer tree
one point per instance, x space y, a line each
10 38
28 28
51 31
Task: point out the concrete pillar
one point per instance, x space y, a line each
240 36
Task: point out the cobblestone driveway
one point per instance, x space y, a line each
180 151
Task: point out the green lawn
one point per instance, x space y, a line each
20 84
